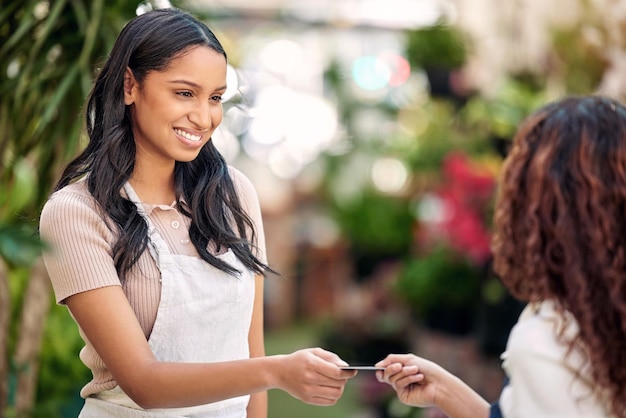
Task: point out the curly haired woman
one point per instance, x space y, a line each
560 245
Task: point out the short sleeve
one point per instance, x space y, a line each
78 257
250 204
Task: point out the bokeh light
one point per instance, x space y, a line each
281 56
371 73
389 175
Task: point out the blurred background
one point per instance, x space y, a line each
374 131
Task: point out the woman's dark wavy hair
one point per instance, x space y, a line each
204 189
560 227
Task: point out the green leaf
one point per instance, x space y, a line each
25 27
57 98
23 189
19 244
49 23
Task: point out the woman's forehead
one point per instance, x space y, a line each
198 65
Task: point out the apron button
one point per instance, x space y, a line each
175 224
184 241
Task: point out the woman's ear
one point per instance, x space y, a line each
130 87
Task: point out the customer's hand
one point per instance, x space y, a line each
415 380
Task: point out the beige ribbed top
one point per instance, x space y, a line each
80 258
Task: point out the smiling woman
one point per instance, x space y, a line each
158 247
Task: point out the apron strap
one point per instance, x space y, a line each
156 244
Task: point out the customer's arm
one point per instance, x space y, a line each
422 383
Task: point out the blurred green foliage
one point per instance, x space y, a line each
442 280
438 46
49 52
376 224
500 115
61 374
582 67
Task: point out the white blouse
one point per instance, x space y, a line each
542 380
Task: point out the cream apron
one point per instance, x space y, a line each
204 316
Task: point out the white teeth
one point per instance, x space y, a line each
187 135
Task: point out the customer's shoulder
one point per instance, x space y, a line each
542 325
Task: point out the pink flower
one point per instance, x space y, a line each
462 203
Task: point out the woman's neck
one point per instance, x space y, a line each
154 188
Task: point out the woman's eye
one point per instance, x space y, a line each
216 98
185 93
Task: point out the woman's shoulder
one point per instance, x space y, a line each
71 202
542 329
239 178
243 185
76 191
546 378
547 316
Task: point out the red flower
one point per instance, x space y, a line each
462 203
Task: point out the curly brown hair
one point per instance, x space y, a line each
560 227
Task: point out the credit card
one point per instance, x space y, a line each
362 368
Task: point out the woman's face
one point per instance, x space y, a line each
174 112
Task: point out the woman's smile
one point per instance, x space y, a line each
186 135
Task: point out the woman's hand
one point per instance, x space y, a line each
313 375
414 379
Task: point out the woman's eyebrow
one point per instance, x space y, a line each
194 85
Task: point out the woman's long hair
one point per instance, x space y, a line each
560 227
204 189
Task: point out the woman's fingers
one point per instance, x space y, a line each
328 356
405 381
315 376
395 371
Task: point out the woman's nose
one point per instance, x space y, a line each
201 116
